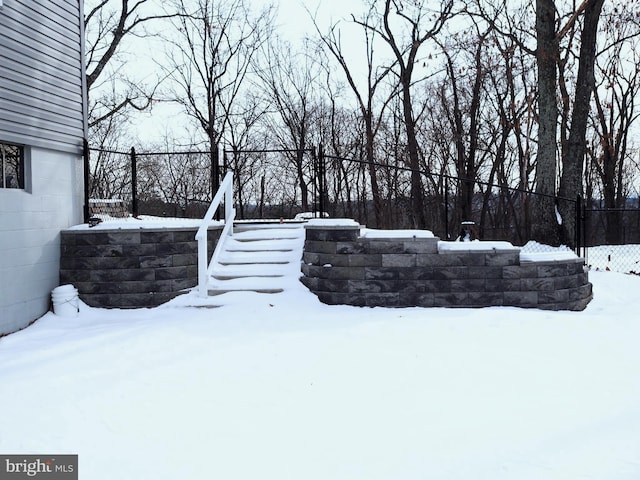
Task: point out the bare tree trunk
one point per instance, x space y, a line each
545 226
573 161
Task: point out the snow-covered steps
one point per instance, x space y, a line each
259 257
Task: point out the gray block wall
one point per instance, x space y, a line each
131 268
341 267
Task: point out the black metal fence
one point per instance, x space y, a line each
278 183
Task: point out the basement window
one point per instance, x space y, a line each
11 166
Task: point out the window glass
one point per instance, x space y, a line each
12 166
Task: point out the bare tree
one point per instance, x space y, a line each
108 26
210 56
402 27
556 223
615 98
291 80
376 74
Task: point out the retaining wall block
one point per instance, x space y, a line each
538 284
383 246
502 259
332 235
398 260
468 285
350 248
451 299
380 273
363 260
320 247
421 245
521 299
486 299
417 300
382 299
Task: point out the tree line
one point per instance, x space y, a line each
448 109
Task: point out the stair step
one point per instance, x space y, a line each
267 234
254 257
214 292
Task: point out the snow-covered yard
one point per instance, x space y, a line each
283 387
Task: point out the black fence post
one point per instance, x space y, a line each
321 185
578 228
134 183
446 209
87 168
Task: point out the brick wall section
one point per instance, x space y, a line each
131 268
342 268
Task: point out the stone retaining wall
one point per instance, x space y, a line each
131 267
341 267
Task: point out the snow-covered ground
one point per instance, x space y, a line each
280 386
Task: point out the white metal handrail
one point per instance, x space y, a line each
225 191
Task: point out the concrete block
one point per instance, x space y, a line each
485 272
183 284
582 292
123 238
342 273
184 259
311 258
139 249
365 260
521 299
502 259
320 247
382 273
398 260
350 248
382 299
329 285
335 260
554 297
538 284
467 285
433 286
457 299
421 245
157 236
156 261
176 248
332 235
417 299
555 270
332 298
175 273
572 281
310 282
91 238
384 246
486 299
451 273
120 275
368 286
74 276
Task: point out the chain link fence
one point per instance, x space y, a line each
612 238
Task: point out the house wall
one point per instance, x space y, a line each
42 108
